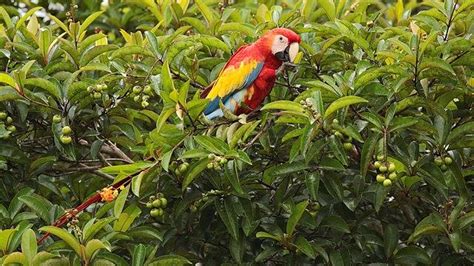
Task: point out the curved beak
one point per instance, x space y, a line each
293 51
289 54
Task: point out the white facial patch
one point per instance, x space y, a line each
279 44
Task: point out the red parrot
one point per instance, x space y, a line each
249 75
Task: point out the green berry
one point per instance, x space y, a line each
145 97
438 161
137 98
392 176
193 208
156 203
448 160
164 202
377 164
65 139
347 146
391 167
137 89
97 95
335 121
338 134
102 86
56 119
223 161
383 168
387 182
149 205
145 104
66 130
177 171
9 120
183 167
3 115
90 89
210 165
380 157
444 167
211 156
152 198
380 178
11 128
148 90
155 212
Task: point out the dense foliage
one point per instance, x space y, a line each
362 154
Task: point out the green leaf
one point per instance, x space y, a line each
343 102
412 254
137 182
205 11
15 258
195 169
228 217
5 78
45 85
170 260
312 184
66 237
30 12
28 245
92 230
304 246
268 235
94 52
367 152
329 8
273 172
284 105
336 223
390 239
88 21
92 247
39 205
5 238
139 255
295 216
166 78
120 201
211 144
126 218
432 224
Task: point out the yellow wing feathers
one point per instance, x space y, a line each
234 77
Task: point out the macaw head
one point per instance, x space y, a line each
283 43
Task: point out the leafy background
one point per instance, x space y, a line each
379 87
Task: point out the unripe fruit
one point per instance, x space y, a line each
380 178
65 139
211 156
160 212
152 198
392 176
223 161
90 89
164 202
149 205
145 97
335 121
11 128
183 167
136 98
145 104
347 146
148 90
380 157
438 161
193 208
377 164
338 134
3 115
137 89
383 168
387 183
177 171
97 95
448 160
156 203
66 130
155 212
391 167
56 118
9 120
444 167
210 165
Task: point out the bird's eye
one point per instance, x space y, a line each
281 38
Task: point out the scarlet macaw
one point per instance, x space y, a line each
249 75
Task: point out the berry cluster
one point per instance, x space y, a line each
142 94
386 171
65 135
205 198
7 121
443 162
308 105
96 90
179 169
347 141
74 227
157 204
216 162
